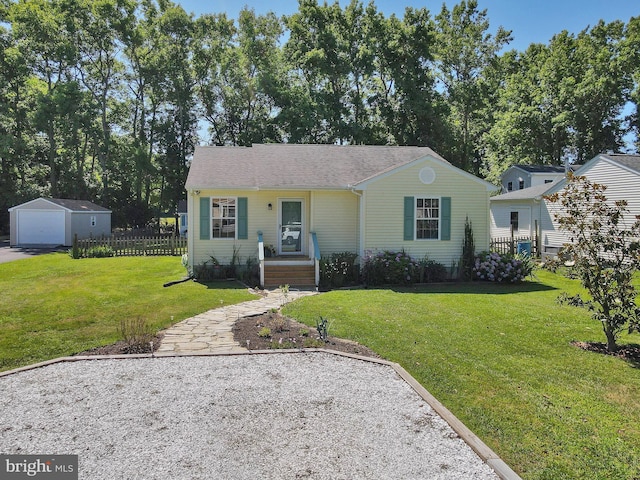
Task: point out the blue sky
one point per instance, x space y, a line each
530 20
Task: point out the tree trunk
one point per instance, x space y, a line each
612 346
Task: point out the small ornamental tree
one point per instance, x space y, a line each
605 253
468 251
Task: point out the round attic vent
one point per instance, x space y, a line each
427 175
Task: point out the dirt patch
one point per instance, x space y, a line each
275 331
629 353
123 348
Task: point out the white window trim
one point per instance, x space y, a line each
415 220
211 218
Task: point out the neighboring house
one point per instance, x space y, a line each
55 221
182 218
519 177
522 209
309 200
520 212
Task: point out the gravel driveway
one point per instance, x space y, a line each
277 416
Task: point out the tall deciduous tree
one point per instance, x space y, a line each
465 51
236 68
45 37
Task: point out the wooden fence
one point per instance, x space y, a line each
134 246
509 245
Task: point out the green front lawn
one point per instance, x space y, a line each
52 305
499 357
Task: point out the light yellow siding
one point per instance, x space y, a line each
384 212
334 218
362 221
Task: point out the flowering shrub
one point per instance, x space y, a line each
338 269
387 267
492 267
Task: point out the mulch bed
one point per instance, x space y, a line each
629 353
285 333
123 348
288 333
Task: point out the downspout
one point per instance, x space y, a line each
538 233
361 223
190 229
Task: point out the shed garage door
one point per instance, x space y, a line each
40 227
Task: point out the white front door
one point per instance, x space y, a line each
290 226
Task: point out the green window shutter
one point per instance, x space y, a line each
205 218
445 218
243 224
409 215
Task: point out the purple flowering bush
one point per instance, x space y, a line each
387 267
493 267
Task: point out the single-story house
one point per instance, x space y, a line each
524 209
300 202
55 221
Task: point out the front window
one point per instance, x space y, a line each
223 217
514 221
427 218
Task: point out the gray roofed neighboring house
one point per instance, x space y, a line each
525 193
541 168
526 208
627 160
518 177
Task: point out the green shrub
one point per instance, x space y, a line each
338 270
264 332
75 250
468 251
432 271
137 334
99 252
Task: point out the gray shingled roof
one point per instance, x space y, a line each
541 168
526 193
78 205
629 161
296 166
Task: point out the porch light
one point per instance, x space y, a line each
269 206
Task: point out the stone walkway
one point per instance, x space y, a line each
211 331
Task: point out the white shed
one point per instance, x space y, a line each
55 221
